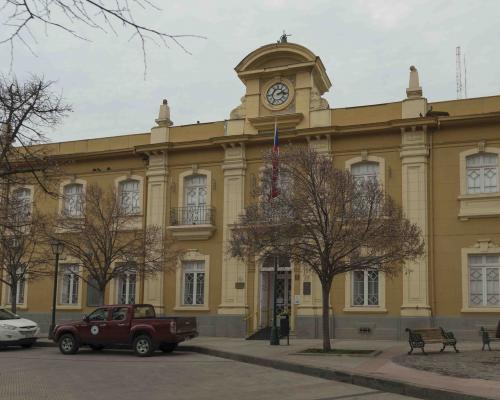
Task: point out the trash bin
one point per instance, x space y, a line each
284 321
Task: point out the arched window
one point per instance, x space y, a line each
22 202
129 196
195 199
73 200
365 171
126 287
482 173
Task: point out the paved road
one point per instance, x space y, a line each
44 373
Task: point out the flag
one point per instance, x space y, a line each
275 166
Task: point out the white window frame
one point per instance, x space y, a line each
197 269
350 307
179 303
484 267
365 289
182 182
481 170
130 177
6 293
482 247
125 278
366 176
28 200
129 199
371 159
62 200
60 285
477 205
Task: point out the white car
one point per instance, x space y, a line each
17 331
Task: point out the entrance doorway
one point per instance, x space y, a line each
283 291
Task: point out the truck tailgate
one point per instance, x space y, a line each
185 324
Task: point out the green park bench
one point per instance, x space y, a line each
419 338
488 334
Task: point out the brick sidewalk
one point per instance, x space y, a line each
372 371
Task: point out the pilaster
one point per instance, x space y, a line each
414 159
234 274
156 215
310 289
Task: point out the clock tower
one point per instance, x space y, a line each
284 83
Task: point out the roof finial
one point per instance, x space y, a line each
283 38
414 90
164 114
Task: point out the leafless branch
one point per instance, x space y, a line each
108 241
24 254
27 109
71 16
326 220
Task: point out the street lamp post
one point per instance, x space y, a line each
275 338
57 249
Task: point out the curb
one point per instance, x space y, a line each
370 381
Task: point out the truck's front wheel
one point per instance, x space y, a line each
143 346
68 344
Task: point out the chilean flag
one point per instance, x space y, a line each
275 172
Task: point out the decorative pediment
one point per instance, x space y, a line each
273 59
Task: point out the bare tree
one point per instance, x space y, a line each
23 252
108 241
72 16
27 109
325 220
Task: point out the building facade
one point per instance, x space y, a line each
438 160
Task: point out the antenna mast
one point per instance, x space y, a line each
459 72
465 77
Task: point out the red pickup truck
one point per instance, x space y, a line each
127 326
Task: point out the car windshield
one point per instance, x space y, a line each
4 315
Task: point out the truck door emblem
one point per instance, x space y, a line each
94 330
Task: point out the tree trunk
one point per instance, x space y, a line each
101 295
13 298
325 288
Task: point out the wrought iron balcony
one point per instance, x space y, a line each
192 215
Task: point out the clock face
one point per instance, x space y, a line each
277 94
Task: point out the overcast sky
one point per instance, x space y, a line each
367 47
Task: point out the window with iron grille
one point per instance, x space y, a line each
195 200
126 287
70 282
484 282
129 196
193 276
365 288
73 200
482 173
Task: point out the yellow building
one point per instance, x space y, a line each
439 160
